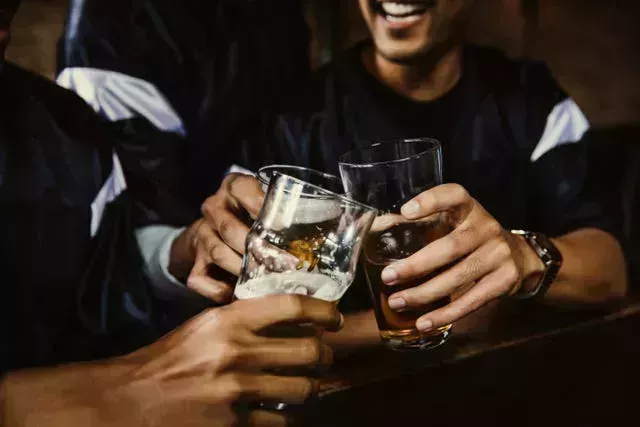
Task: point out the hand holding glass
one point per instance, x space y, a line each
386 176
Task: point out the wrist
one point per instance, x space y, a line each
532 266
125 395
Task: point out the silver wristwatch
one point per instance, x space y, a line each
550 257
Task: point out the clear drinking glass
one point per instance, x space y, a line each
386 176
311 176
306 241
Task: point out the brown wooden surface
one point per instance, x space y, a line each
531 367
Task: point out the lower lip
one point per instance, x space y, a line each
402 25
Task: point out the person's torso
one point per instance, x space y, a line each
489 125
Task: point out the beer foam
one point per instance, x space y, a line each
315 285
303 211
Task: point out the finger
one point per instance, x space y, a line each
247 192
263 387
271 256
231 230
266 419
477 265
272 353
477 229
259 313
444 198
386 221
200 282
217 251
491 287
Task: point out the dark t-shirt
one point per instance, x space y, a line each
489 125
49 176
63 295
219 63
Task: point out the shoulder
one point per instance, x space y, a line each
60 142
35 94
524 77
541 114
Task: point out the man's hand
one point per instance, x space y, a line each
204 373
221 357
209 253
485 261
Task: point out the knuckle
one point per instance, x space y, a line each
227 317
459 192
234 387
503 250
230 353
472 270
457 243
311 352
216 252
512 273
466 231
225 227
235 180
208 206
494 228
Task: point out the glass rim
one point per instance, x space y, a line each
436 145
323 175
328 193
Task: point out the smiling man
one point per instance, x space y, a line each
501 124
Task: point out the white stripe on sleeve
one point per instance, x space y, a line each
117 96
566 124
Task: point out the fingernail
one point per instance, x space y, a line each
389 275
397 303
411 209
424 325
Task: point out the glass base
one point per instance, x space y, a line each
414 340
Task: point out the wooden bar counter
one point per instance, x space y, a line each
530 367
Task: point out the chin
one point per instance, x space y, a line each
403 54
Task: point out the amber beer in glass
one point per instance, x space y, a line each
386 176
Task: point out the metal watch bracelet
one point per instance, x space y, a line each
550 257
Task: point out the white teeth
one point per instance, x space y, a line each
401 9
405 19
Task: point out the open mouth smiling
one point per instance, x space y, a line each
402 11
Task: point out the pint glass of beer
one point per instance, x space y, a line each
386 176
306 241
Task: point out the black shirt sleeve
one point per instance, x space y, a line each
561 198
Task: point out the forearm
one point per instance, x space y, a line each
593 270
82 394
360 330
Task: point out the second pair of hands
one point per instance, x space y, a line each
483 261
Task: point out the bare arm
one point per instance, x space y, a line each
87 393
593 271
192 377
